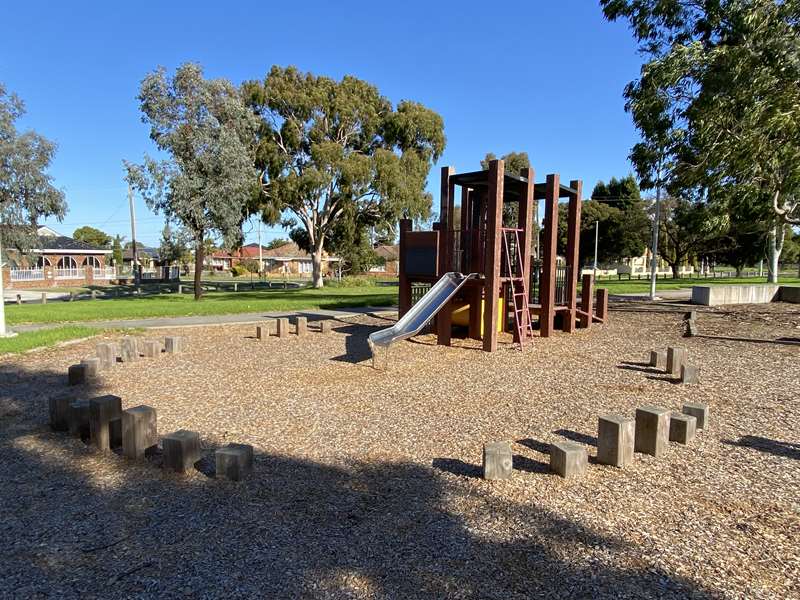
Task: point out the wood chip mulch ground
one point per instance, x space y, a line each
367 483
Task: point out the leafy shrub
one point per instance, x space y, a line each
239 270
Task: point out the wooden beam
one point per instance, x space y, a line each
525 222
549 253
494 221
465 241
445 316
404 293
573 247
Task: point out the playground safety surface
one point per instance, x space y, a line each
367 483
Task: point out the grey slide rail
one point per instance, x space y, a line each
422 312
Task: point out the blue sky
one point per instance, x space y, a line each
544 77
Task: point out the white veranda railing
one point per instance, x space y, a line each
69 273
27 274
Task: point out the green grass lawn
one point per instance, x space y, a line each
643 286
213 303
45 337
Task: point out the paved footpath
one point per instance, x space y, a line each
205 320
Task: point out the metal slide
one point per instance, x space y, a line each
422 312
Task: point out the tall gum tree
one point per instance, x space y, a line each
718 103
27 193
209 179
328 150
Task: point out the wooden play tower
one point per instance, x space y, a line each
513 290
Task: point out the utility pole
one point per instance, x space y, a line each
135 262
260 253
596 237
654 249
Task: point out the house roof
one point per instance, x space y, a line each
284 252
127 254
51 242
388 252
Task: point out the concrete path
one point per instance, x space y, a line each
205 320
680 294
10 296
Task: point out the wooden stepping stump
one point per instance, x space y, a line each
79 419
139 431
173 344
498 461
93 367
107 353
652 430
326 326
181 450
699 411
675 358
682 428
568 459
301 326
76 374
152 348
691 328
105 425
234 462
615 436
129 350
690 374
59 410
283 327
262 332
658 359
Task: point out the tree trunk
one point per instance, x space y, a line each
198 267
675 267
316 266
738 272
776 237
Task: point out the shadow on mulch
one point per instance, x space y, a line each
665 378
457 467
535 445
641 367
529 465
762 444
577 436
296 528
355 344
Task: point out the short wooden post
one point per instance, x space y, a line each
602 304
301 326
586 301
44 297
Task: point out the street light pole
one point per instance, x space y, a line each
654 249
596 237
136 270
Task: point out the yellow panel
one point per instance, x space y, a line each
461 315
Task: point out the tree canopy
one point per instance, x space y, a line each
718 103
93 236
334 150
27 192
209 177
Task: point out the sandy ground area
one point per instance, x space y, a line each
367 483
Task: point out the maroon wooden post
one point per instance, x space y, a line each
602 304
465 241
573 247
494 221
444 318
404 294
525 222
586 301
549 240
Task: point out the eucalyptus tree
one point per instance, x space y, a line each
27 193
209 177
332 150
718 103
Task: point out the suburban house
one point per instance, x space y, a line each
391 260
154 269
57 260
286 259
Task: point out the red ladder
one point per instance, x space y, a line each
519 287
